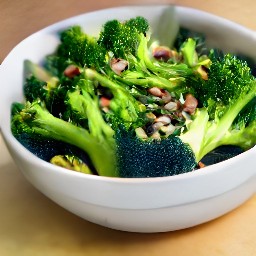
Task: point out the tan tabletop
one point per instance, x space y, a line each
32 225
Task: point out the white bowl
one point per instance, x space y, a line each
145 204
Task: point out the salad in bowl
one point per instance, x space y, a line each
144 118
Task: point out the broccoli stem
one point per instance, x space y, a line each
189 52
133 78
197 129
244 138
87 104
101 152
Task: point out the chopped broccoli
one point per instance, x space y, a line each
134 122
130 40
227 117
181 153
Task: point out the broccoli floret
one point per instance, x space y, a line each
123 38
80 48
34 88
137 158
227 78
229 113
97 142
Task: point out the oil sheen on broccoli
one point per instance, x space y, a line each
123 105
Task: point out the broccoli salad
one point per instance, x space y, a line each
123 105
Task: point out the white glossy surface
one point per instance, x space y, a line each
141 205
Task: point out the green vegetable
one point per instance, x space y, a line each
77 101
98 142
123 38
81 49
228 100
138 158
130 41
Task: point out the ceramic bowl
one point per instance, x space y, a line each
139 204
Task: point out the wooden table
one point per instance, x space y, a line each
32 225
